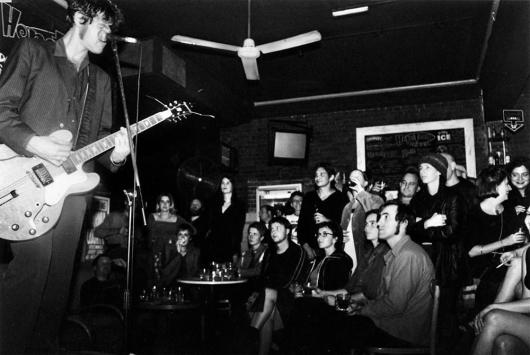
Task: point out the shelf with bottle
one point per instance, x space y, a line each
498 152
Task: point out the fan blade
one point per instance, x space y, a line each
286 43
61 3
204 43
251 68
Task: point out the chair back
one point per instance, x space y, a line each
434 317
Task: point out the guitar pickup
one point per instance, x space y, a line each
8 197
42 174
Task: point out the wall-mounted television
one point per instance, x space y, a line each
288 144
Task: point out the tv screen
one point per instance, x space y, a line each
290 145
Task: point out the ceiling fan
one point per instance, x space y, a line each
249 52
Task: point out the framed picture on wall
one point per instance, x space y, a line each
387 151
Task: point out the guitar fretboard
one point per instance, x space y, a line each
92 150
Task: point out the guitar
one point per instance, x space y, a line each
32 190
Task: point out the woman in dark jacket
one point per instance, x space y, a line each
440 221
223 241
331 270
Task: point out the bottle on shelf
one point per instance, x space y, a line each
498 158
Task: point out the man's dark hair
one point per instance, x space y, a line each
294 194
96 259
186 227
336 230
269 208
91 8
260 226
281 220
488 180
403 212
414 171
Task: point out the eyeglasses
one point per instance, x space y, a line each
408 183
325 234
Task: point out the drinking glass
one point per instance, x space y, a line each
342 302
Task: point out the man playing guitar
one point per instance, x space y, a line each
48 87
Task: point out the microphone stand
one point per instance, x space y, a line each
131 202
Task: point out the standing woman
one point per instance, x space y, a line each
323 204
161 228
440 221
223 241
488 232
518 202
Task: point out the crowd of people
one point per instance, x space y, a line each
382 257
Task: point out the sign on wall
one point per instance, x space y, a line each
17 23
387 151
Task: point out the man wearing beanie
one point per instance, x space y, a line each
440 221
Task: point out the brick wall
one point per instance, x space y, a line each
333 139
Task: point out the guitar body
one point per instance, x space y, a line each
32 193
32 190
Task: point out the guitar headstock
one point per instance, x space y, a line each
179 110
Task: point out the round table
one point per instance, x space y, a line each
208 301
198 281
155 306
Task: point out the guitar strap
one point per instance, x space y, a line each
83 128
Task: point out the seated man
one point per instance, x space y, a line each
400 315
282 267
251 260
103 288
114 231
183 258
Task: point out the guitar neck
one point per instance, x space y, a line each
92 150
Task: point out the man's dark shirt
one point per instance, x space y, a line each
94 291
41 92
283 269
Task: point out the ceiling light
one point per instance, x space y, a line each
350 11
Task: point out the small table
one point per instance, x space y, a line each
200 282
157 306
164 315
208 301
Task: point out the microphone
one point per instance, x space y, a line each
116 38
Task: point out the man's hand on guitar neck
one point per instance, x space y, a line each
51 148
121 148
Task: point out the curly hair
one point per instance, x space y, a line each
91 8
